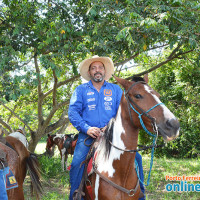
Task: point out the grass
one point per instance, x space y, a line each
163 167
56 183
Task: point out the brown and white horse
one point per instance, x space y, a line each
115 176
20 160
59 140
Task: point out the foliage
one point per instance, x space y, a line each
51 166
179 86
42 43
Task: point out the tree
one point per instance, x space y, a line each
42 44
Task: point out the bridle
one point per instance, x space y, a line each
131 105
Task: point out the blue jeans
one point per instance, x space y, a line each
3 193
138 158
80 153
76 171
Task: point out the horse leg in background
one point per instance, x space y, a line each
66 158
63 151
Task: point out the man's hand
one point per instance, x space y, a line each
93 132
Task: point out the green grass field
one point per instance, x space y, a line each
56 183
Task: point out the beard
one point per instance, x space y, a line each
98 79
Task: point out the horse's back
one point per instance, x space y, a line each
18 146
20 137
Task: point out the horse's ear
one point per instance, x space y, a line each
121 81
146 78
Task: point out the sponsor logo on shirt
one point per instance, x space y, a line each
107 92
91 99
92 107
108 108
108 98
107 103
90 93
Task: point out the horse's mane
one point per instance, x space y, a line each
108 135
137 78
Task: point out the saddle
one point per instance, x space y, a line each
70 141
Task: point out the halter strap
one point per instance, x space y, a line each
153 122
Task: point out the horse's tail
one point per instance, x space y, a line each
34 171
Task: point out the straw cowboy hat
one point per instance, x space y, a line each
108 63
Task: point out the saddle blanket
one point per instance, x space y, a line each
8 179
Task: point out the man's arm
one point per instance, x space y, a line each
75 111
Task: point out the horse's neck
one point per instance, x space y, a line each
125 136
58 141
128 133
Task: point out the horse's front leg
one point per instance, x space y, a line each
63 158
66 157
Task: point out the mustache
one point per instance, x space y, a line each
98 73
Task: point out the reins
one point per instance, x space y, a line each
130 192
136 150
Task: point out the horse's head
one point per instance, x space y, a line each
50 142
143 102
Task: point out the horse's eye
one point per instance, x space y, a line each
138 96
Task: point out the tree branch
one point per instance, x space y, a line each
61 122
40 93
6 125
16 116
62 83
171 57
54 88
53 111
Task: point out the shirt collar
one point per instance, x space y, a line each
91 85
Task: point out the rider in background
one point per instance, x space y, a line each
92 105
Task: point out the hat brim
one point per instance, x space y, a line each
108 63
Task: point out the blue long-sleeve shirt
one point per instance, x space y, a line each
90 108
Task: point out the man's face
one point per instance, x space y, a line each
97 71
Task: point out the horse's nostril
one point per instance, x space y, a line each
172 123
168 123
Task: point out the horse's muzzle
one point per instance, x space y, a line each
170 129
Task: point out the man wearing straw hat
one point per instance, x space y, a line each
92 105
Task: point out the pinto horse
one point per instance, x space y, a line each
113 153
61 140
20 160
